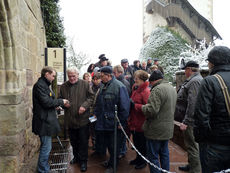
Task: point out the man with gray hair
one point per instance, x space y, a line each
81 97
186 99
118 72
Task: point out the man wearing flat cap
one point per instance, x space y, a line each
186 99
212 117
128 71
159 124
102 62
111 93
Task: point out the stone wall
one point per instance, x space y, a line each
22 42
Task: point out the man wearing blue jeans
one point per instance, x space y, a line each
45 122
159 124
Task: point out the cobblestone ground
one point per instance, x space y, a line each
178 157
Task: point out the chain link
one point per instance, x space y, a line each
160 169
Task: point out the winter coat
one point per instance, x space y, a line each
112 93
79 94
159 112
130 72
140 97
212 122
186 99
122 79
45 122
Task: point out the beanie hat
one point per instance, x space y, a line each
219 55
156 75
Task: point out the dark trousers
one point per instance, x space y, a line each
140 143
193 150
79 141
100 142
109 136
214 157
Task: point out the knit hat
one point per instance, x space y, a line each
219 55
156 75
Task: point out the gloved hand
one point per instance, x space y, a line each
132 104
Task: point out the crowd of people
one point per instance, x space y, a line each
146 105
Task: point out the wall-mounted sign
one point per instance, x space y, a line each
56 58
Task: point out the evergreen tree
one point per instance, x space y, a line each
53 23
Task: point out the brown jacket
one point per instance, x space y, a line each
79 94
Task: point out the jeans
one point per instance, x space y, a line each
156 149
214 157
45 148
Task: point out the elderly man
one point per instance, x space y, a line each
159 124
81 96
118 72
128 71
45 123
112 92
186 99
212 117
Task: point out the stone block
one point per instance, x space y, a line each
9 164
29 77
9 145
12 119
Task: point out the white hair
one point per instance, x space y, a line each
72 69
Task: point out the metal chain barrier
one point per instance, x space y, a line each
224 171
160 169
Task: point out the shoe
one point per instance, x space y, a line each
184 168
121 156
106 164
83 167
109 170
140 166
133 162
73 161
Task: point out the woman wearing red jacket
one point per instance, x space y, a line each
140 95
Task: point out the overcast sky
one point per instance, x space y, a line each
115 27
112 27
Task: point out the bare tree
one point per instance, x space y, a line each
77 59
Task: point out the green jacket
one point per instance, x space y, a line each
159 112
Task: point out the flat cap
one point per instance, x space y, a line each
106 69
124 61
191 64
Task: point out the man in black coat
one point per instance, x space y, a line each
45 122
212 119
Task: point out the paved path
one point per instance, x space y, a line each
177 157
